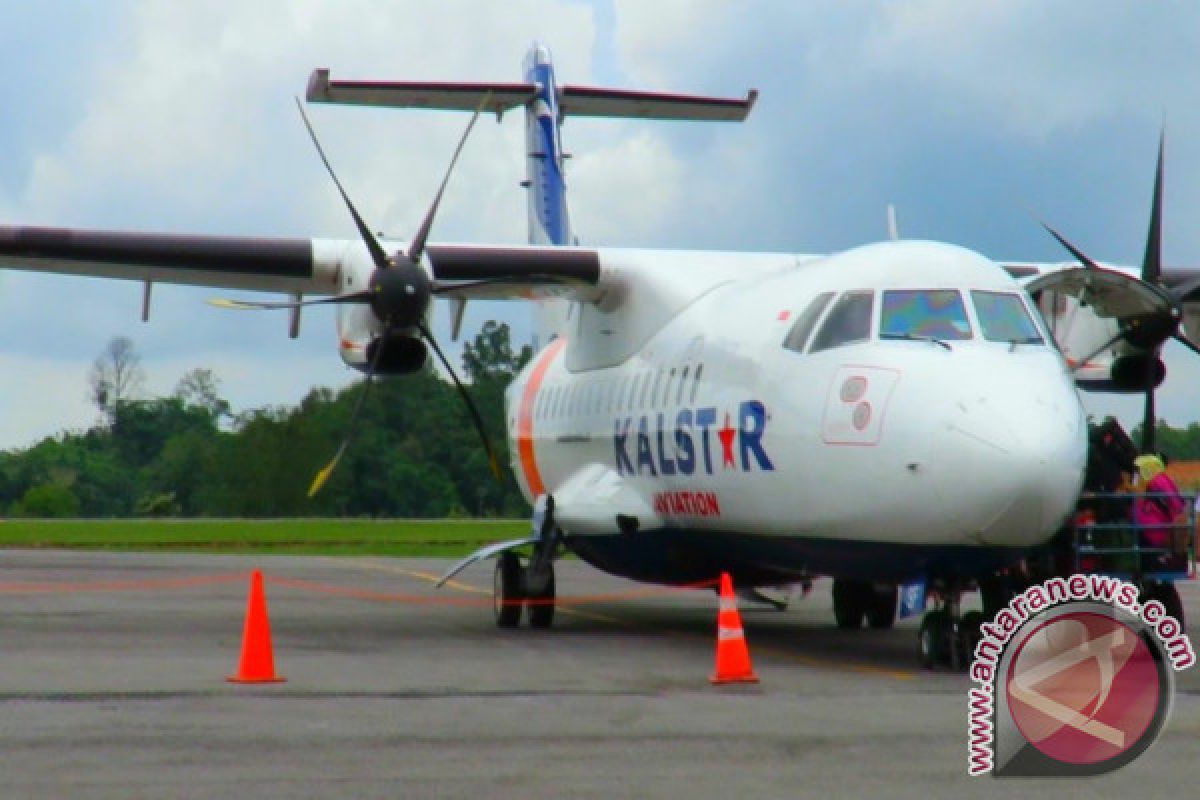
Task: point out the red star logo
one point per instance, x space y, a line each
726 435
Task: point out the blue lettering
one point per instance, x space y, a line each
644 457
665 464
705 419
752 423
685 452
620 436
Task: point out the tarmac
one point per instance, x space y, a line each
113 668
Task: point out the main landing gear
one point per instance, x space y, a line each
947 637
518 586
855 601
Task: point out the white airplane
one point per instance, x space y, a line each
892 414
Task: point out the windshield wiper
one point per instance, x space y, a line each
1016 340
910 337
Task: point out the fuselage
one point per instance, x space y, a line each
940 429
696 412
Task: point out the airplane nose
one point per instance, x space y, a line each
1011 452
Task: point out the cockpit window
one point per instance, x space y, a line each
1004 318
924 314
849 321
798 336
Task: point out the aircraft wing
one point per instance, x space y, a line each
235 262
291 266
499 272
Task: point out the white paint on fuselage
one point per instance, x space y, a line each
982 444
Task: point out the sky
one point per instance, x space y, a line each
168 116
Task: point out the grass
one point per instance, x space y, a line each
283 536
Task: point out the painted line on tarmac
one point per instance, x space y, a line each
774 652
469 588
107 587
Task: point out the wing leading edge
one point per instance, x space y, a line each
237 262
293 266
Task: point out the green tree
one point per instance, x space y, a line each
200 388
490 356
416 452
116 376
49 500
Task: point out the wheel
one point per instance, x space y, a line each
541 612
1168 595
506 594
881 606
848 605
931 639
1172 602
995 593
969 634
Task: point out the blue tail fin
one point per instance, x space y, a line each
549 222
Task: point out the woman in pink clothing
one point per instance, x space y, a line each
1160 506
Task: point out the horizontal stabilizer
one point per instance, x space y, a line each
579 101
587 101
418 94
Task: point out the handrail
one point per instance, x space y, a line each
1116 545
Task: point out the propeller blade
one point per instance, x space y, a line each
1075 251
377 254
1152 273
1148 420
417 247
1120 334
447 288
1152 261
325 472
462 390
254 305
1186 342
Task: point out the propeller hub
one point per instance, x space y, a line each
1148 331
401 293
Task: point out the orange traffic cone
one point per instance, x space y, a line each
733 657
257 664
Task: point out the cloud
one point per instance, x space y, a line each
187 123
161 115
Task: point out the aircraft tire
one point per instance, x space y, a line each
969 633
881 607
1165 593
541 613
932 643
850 603
995 593
506 596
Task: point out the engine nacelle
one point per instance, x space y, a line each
1129 372
1190 325
402 354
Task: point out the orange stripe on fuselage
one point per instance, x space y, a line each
533 477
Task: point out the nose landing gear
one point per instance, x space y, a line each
947 637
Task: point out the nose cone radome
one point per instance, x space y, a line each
1011 455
